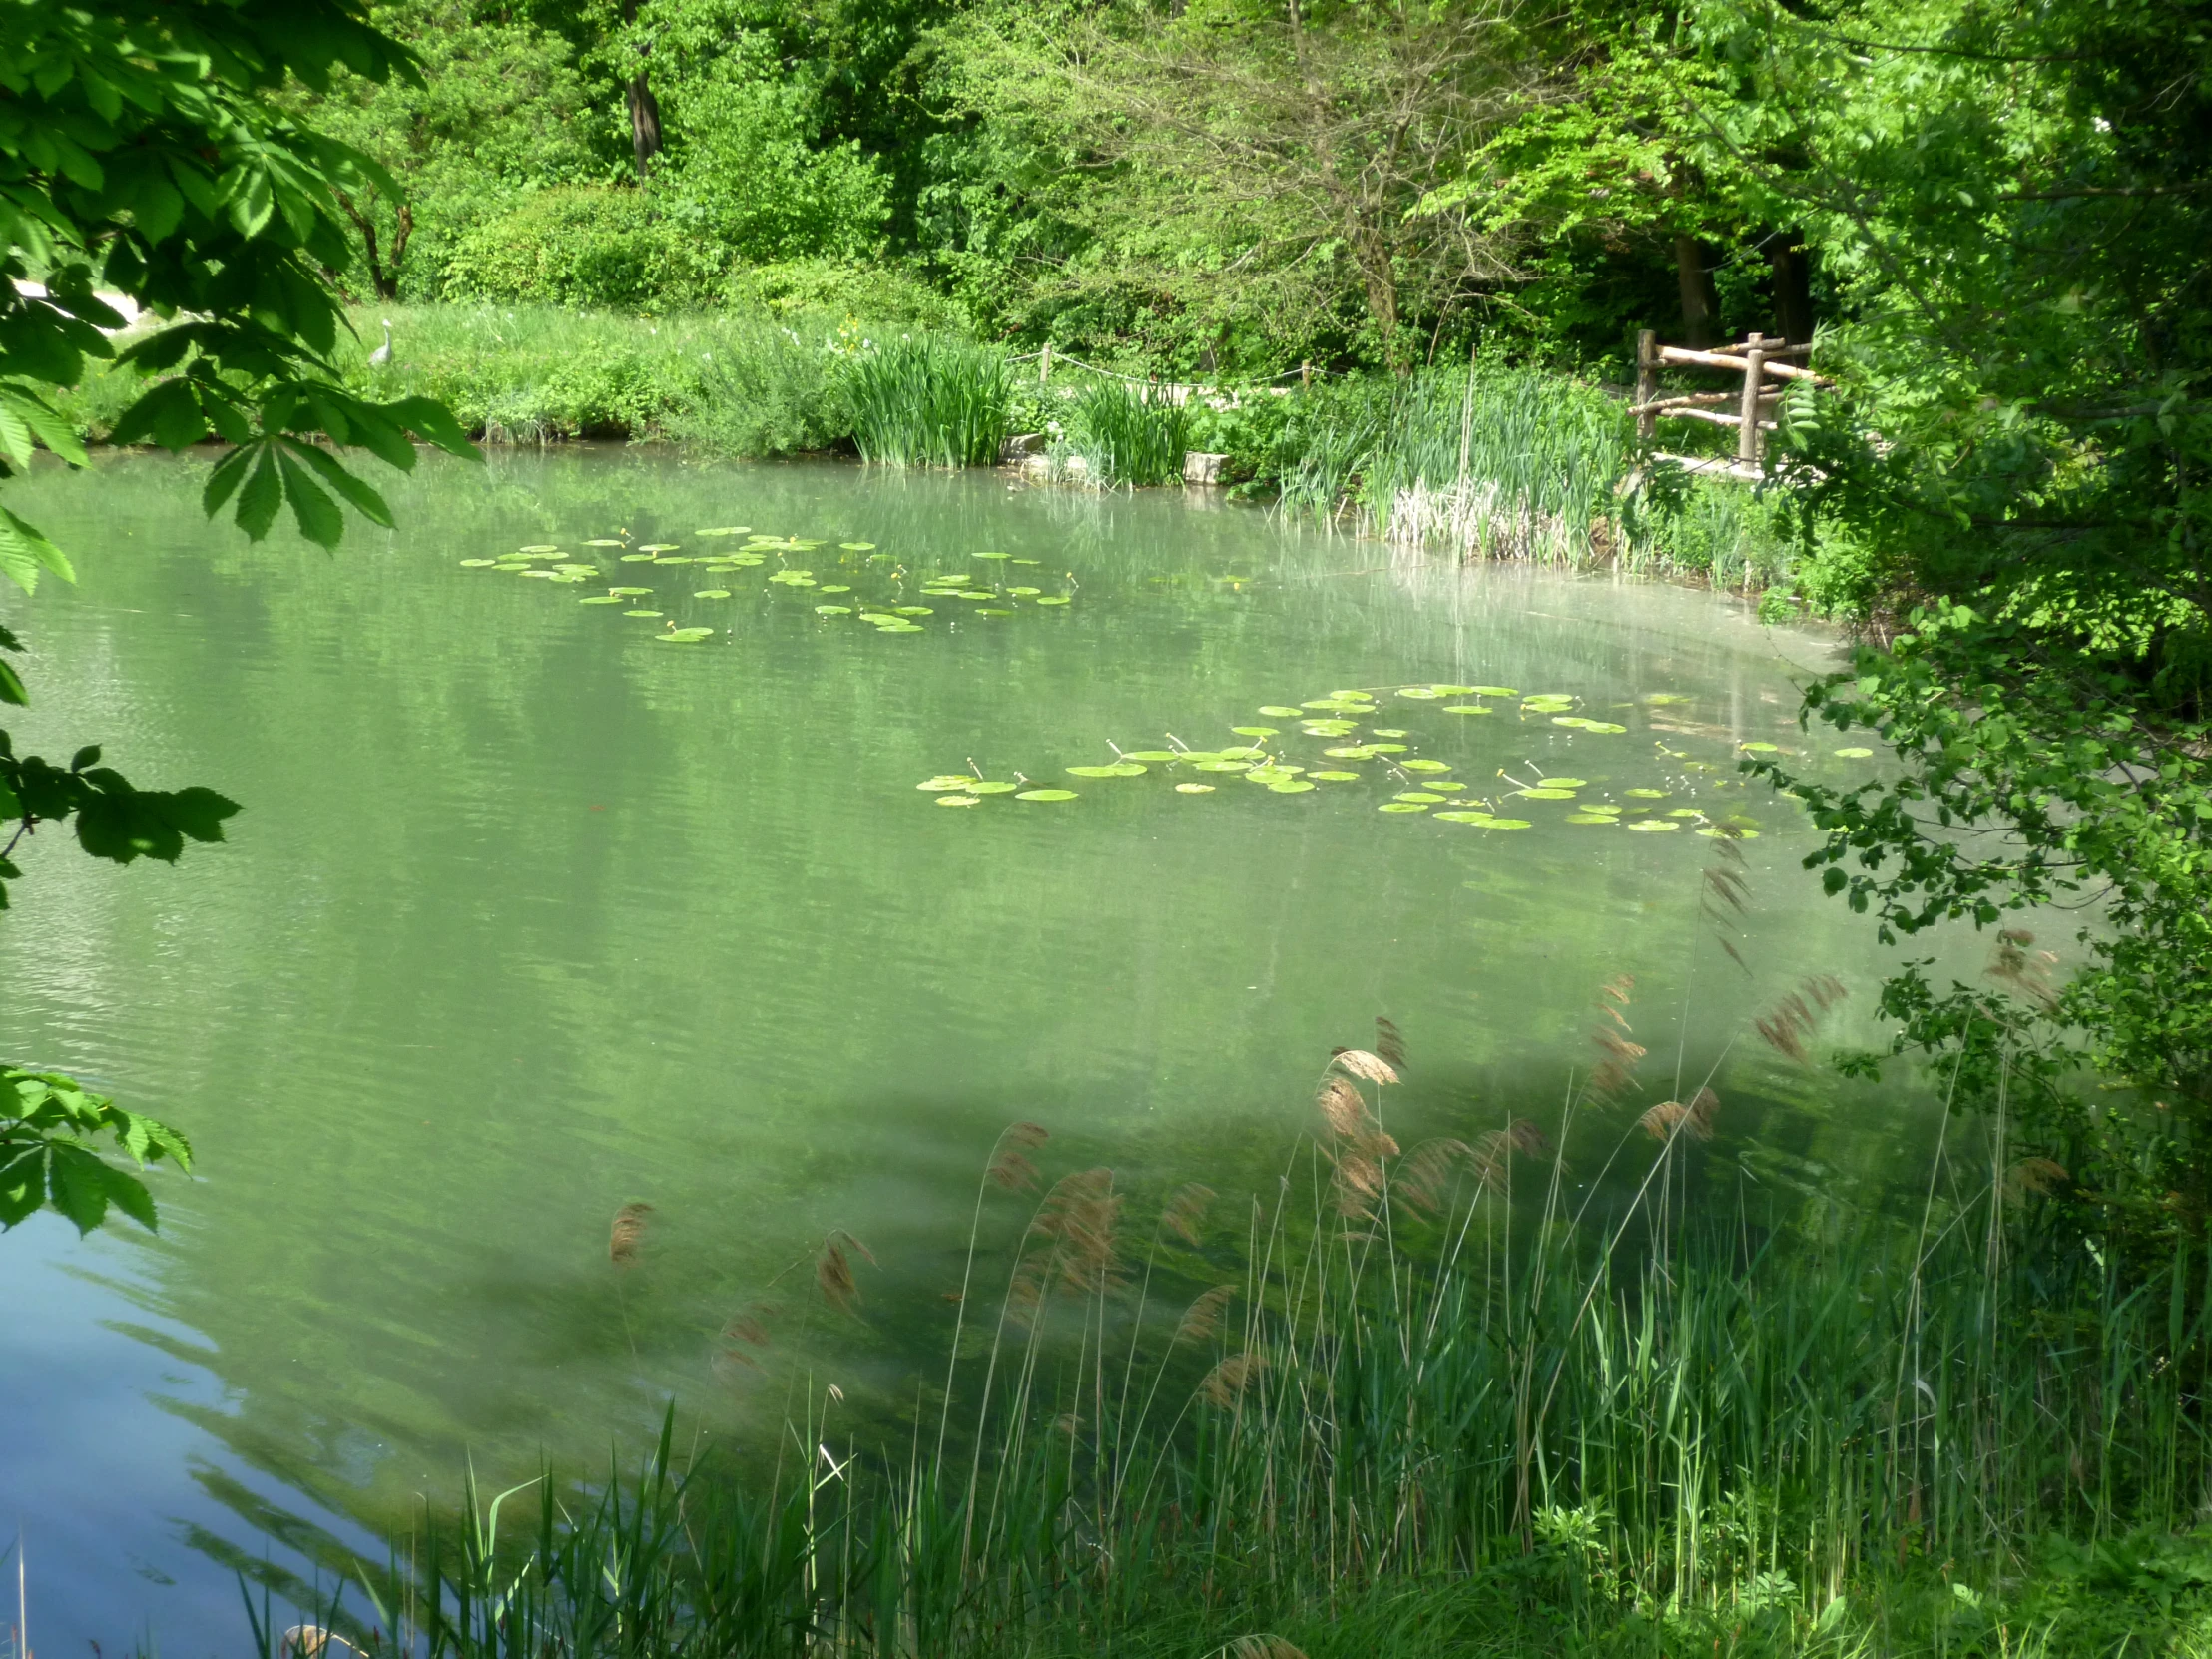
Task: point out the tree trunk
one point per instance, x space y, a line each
1700 303
1793 285
644 109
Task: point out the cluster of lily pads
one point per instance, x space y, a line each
1357 747
986 596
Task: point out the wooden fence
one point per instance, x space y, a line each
1755 361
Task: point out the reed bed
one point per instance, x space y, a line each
930 401
1127 435
1453 1397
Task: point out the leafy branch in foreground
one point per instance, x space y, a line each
46 1124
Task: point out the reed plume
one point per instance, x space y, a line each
2012 964
1670 1116
1492 1151
1390 1043
1080 1221
1201 1321
626 1237
1616 1069
1791 1022
1009 1170
1426 1175
1342 1107
2035 1175
1368 1068
743 1338
834 1269
1226 1382
1185 1211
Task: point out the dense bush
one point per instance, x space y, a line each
586 247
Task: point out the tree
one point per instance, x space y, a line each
143 149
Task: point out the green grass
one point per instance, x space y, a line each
926 400
1455 1399
1128 435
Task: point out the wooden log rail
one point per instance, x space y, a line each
1756 359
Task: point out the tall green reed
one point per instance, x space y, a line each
1465 1369
1128 435
929 401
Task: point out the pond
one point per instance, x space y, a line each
533 912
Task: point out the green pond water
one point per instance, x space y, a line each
532 913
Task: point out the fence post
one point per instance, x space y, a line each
1044 364
1305 373
1647 381
1755 373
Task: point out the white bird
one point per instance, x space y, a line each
382 355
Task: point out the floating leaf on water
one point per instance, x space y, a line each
1329 728
1463 816
688 636
945 781
629 592
1278 710
1685 811
1053 600
1761 748
477 564
1247 751
1853 753
1599 728
857 546
958 800
992 610
991 786
1540 794
1653 824
565 577
913 610
548 547
658 546
1289 786
1493 691
1390 731
1662 698
1386 747
545 575
1426 766
1557 783
637 558
1223 765
900 628
1469 709
1444 784
641 613
819 610
1424 693
578 570
601 599
1025 593
1507 823
978 593
1028 561
1046 795
1592 817
1336 776
1351 751
1727 833
1417 794
990 555
1194 789
1192 757
1254 731
1156 755
604 541
1648 794
1454 691
749 564
1403 807
711 593
675 561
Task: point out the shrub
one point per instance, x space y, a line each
583 246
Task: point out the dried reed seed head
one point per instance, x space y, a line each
1024 1137
1730 889
1342 1108
1201 1321
1184 1210
834 1269
1226 1381
626 1237
2015 935
1368 1068
1426 1175
2035 1175
1620 990
1359 1183
1011 1172
1527 1139
1390 1042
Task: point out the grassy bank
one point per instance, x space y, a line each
1461 1396
1485 463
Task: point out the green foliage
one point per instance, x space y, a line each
1128 434
928 401
602 248
47 1126
142 145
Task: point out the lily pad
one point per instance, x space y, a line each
1329 727
1507 823
1685 811
1254 731
992 610
1853 753
548 547
1426 766
1660 700
913 610
642 613
1546 794
819 610
1390 731
545 574
1602 728
1249 751
1278 710
711 593
477 564
1424 693
601 599
991 786
1386 747
1351 751
945 781
958 800
977 592
604 541
1052 599
990 555
1443 783
1225 766
1403 807
1157 757
1289 786
688 636
1652 826
1592 817
857 546
1418 795
1563 783
1761 748
1463 816
629 592
1647 795
1336 776
1727 833
1493 690
1046 795
1194 789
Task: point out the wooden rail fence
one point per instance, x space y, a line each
1755 360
